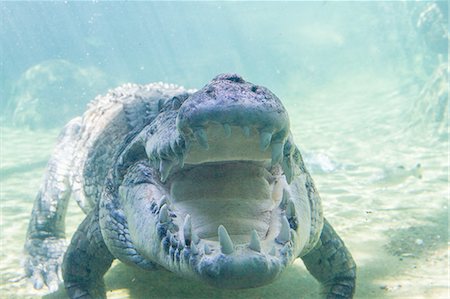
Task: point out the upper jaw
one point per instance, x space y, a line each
227 120
169 151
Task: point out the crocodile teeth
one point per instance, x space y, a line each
187 228
194 249
246 131
284 234
202 138
226 245
277 153
194 237
290 209
180 159
122 191
148 149
255 245
180 245
285 249
207 249
163 214
164 168
227 129
287 169
284 199
264 140
162 201
173 241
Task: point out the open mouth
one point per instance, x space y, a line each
226 196
229 180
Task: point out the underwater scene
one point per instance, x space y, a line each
365 86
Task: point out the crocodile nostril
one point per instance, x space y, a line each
230 77
243 105
210 90
176 103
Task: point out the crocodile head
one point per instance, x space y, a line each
216 188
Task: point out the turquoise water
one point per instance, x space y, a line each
365 85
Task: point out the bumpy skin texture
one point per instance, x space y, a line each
206 184
86 261
332 264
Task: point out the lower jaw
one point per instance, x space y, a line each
240 271
255 201
242 268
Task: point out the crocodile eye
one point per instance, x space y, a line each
161 105
176 103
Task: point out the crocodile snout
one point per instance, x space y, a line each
229 101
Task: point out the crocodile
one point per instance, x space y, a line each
207 184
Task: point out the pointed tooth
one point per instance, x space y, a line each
287 169
226 245
164 168
288 148
162 201
194 249
246 130
284 199
264 140
155 162
207 249
149 148
227 129
272 251
284 234
202 138
277 153
187 228
290 209
173 241
285 249
181 144
187 144
254 242
165 242
123 191
180 244
38 280
292 232
195 237
181 160
174 146
163 214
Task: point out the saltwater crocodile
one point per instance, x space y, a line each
207 184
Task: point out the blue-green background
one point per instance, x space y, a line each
365 85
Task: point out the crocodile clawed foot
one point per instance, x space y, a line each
43 262
342 289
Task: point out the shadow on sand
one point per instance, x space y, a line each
384 264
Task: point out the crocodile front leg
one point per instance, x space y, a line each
332 265
86 261
45 241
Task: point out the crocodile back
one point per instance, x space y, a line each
105 126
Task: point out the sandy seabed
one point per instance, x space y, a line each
396 230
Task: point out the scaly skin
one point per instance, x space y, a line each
209 185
